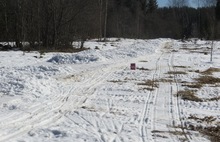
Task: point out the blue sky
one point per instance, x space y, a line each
162 3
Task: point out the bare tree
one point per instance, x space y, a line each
178 3
100 19
209 3
4 6
106 18
205 3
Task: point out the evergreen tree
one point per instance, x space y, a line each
152 6
217 10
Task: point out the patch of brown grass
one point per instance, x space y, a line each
143 61
213 99
212 132
190 49
207 80
159 133
143 69
189 95
130 79
174 51
196 71
194 85
165 80
179 133
176 72
200 52
210 71
206 119
183 67
150 83
89 108
116 81
147 88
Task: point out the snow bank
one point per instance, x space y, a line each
129 48
18 80
73 59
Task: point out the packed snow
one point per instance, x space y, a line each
94 96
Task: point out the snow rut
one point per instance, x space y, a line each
148 115
72 96
177 112
106 104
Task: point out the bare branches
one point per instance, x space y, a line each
178 3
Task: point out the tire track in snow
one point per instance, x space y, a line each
95 127
176 101
180 102
173 104
163 111
149 108
47 113
162 108
43 115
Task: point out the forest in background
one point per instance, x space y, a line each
57 23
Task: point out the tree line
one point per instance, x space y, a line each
57 23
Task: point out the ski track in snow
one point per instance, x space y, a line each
101 100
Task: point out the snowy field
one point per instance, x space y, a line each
93 96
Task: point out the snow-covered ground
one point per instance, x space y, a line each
93 95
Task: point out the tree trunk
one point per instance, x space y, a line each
6 24
106 17
18 25
100 20
54 37
138 21
38 25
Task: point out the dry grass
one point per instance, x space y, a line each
213 99
164 80
147 88
116 81
150 83
212 132
130 79
206 119
179 133
157 131
196 71
194 85
143 61
92 109
200 52
183 67
210 71
143 69
190 49
189 95
176 72
207 80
